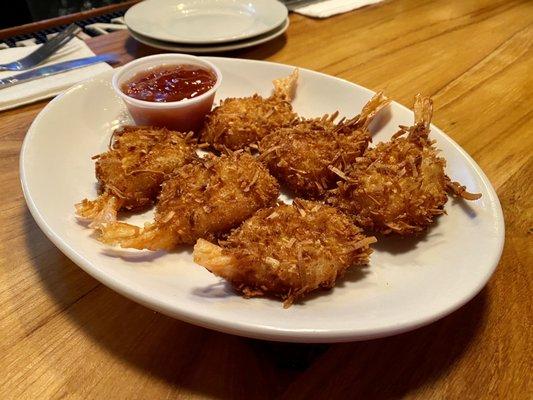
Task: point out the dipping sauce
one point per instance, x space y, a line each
170 83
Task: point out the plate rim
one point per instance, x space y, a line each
266 37
252 330
281 9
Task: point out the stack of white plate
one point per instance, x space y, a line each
205 26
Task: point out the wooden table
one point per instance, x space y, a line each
63 334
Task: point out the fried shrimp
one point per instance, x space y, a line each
287 251
310 155
204 198
240 122
131 172
399 186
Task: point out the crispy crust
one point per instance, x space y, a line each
396 187
399 186
301 156
238 123
204 198
287 251
309 156
130 173
138 161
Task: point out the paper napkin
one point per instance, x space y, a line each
327 8
50 86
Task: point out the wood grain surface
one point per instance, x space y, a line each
65 335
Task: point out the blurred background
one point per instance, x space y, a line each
25 11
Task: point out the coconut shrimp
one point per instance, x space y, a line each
287 251
204 198
399 186
309 155
241 122
130 173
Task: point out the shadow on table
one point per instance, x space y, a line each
259 52
195 360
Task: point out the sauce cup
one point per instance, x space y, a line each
184 115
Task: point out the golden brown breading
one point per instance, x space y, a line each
204 198
240 122
399 186
304 155
131 172
287 251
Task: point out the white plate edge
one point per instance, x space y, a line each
262 331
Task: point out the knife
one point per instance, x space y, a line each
56 69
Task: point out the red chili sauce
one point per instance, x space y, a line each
170 83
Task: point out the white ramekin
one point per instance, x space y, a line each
184 115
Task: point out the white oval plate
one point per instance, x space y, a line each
409 283
204 21
241 44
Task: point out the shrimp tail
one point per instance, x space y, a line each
361 121
371 109
100 211
211 257
285 88
419 132
423 109
151 237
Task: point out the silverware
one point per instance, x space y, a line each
43 52
56 69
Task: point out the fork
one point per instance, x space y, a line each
43 52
